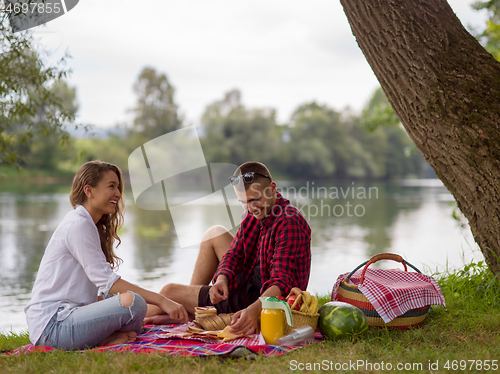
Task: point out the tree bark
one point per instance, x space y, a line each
445 89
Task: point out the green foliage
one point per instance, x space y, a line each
235 134
113 149
394 152
11 340
473 288
155 112
317 143
29 101
490 37
310 157
379 112
45 150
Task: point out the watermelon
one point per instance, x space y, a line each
338 320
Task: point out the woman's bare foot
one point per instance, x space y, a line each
119 337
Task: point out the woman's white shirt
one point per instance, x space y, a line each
73 272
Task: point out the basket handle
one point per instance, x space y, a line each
378 257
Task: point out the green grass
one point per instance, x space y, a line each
468 330
11 339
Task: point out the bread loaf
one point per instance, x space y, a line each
217 322
204 312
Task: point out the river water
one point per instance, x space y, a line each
350 222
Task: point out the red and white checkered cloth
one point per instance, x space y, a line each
393 292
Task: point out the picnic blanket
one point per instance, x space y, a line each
152 340
393 292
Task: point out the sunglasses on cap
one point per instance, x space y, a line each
247 177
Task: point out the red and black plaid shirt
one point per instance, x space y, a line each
282 244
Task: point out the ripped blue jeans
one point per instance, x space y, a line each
88 325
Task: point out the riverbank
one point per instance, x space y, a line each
465 338
10 176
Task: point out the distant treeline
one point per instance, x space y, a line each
317 142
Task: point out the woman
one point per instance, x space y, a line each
72 304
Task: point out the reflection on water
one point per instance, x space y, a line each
350 222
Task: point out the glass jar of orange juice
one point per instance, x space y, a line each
272 318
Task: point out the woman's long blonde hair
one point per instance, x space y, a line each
90 174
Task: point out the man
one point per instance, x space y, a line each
269 255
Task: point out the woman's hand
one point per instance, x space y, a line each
219 290
174 310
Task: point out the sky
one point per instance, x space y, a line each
279 54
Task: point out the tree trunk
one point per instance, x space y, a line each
445 89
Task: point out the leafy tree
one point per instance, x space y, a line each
319 142
155 112
235 134
26 87
317 146
310 157
490 37
325 143
374 146
395 153
114 149
44 150
402 157
379 112
445 88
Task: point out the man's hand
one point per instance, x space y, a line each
219 290
245 321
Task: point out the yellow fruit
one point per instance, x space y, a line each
314 304
306 300
307 296
303 308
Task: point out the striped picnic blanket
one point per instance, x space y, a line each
394 292
151 341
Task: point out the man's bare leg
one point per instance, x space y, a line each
216 242
214 245
183 294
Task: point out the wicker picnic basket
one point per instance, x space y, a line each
350 293
302 319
